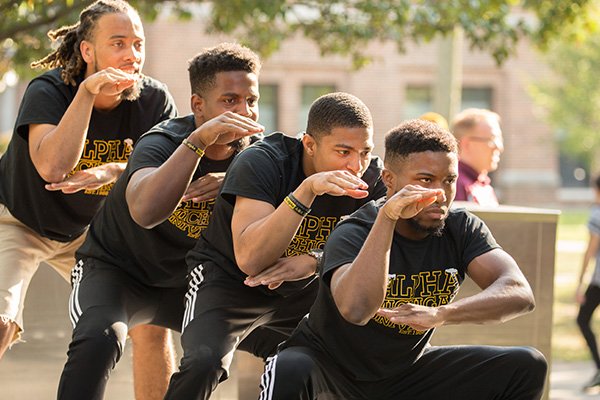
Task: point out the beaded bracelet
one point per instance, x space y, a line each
296 205
193 147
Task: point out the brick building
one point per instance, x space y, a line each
395 87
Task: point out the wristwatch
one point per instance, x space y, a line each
317 254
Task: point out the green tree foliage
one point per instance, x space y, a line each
24 25
570 97
346 27
337 27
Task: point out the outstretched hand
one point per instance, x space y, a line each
226 128
285 269
204 188
418 317
410 201
338 183
110 81
87 179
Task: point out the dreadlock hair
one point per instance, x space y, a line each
67 55
417 136
225 57
337 110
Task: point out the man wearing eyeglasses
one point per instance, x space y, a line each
480 145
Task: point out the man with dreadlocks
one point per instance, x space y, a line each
131 268
71 141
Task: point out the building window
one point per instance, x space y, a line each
309 94
574 171
419 100
268 108
476 98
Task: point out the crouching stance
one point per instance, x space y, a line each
390 273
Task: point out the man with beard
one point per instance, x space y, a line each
131 268
252 272
71 141
389 275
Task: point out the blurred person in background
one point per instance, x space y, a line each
435 118
589 296
480 146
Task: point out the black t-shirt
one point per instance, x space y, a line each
153 256
53 214
426 272
269 171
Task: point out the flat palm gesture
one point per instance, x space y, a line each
410 201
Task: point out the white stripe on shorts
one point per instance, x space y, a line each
74 306
196 279
267 381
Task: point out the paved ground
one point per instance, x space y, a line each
33 374
31 370
567 379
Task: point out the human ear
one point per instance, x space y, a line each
197 105
87 51
389 180
309 143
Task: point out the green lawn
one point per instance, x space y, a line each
567 343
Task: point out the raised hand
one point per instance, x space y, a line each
109 81
410 201
225 129
338 183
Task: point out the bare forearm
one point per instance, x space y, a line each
155 196
503 300
277 229
359 289
57 152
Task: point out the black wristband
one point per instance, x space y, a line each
296 205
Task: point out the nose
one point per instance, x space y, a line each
245 109
134 54
499 144
354 164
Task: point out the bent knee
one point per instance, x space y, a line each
294 366
101 339
203 361
531 360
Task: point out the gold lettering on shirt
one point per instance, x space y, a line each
312 234
98 152
427 288
192 218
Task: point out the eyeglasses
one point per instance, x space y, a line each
492 143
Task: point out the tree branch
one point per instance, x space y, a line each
30 26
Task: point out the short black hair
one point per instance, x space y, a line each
417 136
337 110
225 57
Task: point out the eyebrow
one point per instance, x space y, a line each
237 95
345 146
124 37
